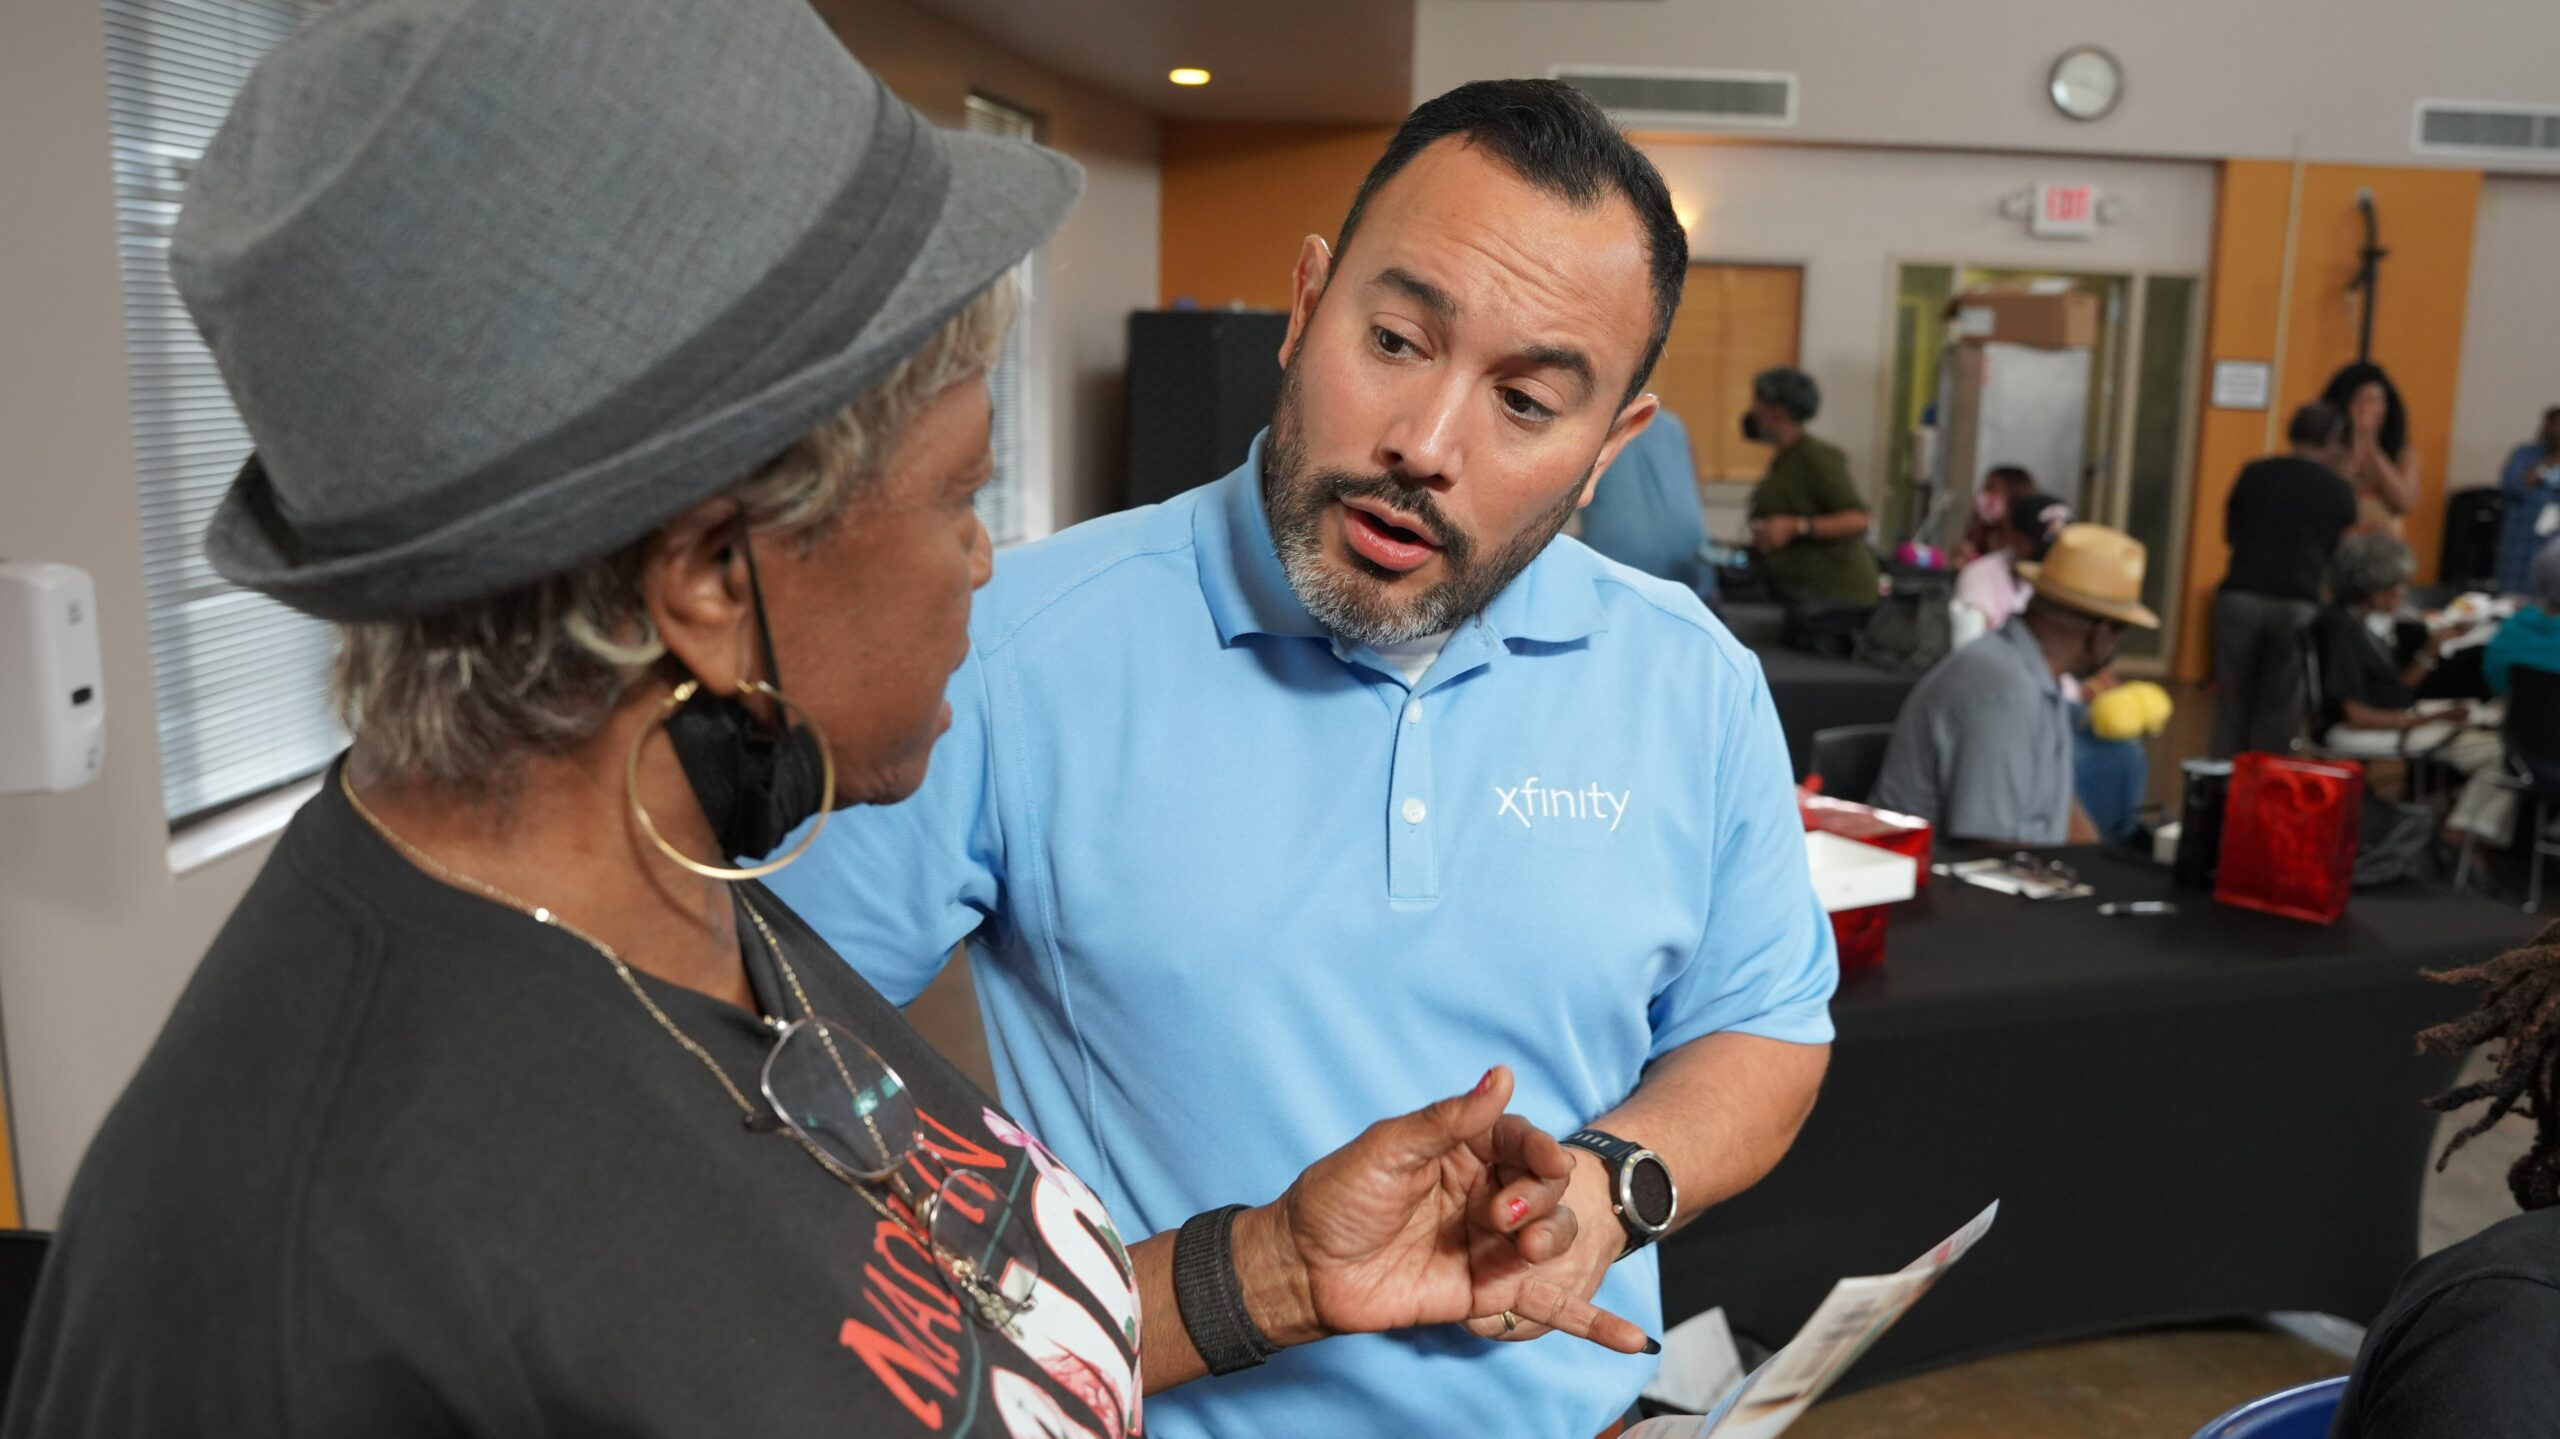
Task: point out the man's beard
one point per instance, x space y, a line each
1356 604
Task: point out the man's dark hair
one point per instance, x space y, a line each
1554 137
2318 423
2038 519
1790 390
2520 1011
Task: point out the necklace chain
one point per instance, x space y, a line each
542 914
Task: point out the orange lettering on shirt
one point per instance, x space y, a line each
891 1363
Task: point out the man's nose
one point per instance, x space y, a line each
1422 441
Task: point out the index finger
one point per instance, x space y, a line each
1542 1302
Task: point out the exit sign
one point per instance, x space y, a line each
2064 212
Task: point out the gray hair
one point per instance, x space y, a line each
1790 390
2366 563
461 699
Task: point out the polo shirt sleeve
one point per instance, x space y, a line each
1766 964
1828 483
892 888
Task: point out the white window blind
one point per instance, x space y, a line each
242 682
1000 503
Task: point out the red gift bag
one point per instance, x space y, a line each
2289 836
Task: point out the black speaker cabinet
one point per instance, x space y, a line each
1201 383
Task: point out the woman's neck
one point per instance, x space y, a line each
560 834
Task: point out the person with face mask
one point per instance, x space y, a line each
1983 746
1263 805
1808 520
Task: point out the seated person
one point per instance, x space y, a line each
2466 1345
1988 589
1983 747
1645 512
2002 486
2368 700
2531 636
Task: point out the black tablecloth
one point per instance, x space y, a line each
1812 693
2201 1115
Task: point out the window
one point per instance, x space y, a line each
242 681
1734 322
1000 504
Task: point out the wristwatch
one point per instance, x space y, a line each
1640 1188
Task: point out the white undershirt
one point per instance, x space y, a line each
1413 658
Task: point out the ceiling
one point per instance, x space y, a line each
1338 60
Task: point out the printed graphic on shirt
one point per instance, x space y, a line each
1080 1328
1533 803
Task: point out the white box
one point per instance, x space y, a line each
1850 875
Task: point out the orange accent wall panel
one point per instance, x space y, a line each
1237 198
2427 218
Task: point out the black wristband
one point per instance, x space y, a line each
1211 1297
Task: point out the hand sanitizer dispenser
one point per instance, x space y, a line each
53 727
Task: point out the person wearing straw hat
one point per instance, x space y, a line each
617 375
1982 748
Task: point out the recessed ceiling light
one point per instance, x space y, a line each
1189 75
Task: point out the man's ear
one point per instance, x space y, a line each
694 585
1631 422
1306 286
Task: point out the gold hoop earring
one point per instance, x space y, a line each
826 798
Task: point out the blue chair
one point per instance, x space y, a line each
2302 1413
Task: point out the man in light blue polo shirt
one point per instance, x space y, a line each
1295 800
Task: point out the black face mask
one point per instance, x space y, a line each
755 784
1751 426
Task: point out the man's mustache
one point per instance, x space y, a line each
1456 546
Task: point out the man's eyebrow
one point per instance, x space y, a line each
1562 357
1421 291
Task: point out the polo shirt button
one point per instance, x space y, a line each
1413 712
1413 811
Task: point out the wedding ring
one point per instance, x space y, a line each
1510 1321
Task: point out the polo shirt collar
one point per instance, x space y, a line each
2017 636
1553 601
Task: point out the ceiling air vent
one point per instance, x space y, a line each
1686 99
2467 128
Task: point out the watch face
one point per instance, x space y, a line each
1650 1192
2086 83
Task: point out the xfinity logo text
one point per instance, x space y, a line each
1527 803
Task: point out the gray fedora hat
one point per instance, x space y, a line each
500 286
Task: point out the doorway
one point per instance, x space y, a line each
2135 424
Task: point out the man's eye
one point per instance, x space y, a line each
1519 404
1389 342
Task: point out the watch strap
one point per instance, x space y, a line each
1211 1297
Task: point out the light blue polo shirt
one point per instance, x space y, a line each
1233 891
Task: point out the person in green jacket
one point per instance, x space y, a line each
1807 519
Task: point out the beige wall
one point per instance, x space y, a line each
2511 340
96 934
1850 216
2204 78
1101 266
